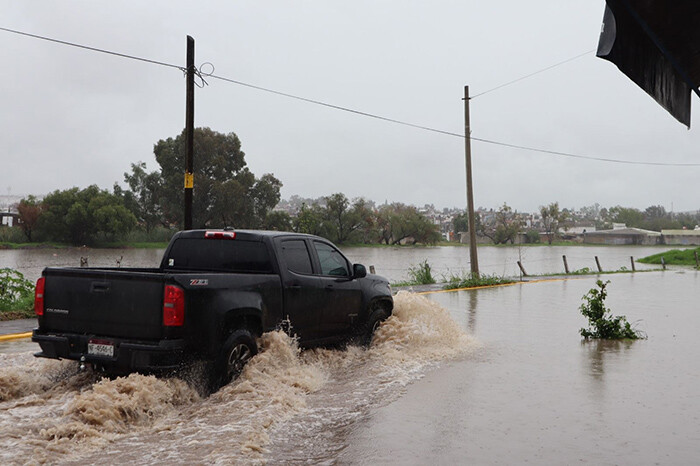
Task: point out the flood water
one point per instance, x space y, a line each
534 393
391 262
489 376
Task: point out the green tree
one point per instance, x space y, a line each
461 222
29 210
81 216
504 227
143 200
630 216
278 220
309 220
225 193
552 217
343 219
656 218
398 222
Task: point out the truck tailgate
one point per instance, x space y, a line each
104 302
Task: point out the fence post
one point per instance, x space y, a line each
597 262
522 269
632 262
697 264
566 264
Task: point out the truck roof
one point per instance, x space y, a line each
250 235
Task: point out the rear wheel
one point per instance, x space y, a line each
237 350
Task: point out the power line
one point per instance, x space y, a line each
93 49
535 73
367 114
586 157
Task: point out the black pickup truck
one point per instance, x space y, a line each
214 293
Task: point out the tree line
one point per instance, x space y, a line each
226 194
504 224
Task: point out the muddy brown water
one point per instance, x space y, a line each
494 376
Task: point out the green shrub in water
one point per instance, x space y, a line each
421 274
602 324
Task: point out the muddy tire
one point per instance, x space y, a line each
376 317
236 351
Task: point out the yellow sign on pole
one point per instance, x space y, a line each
189 180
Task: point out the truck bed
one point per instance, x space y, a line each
101 301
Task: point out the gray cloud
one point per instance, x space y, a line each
73 118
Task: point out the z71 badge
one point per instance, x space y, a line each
199 282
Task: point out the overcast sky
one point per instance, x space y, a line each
72 117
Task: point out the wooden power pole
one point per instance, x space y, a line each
189 134
473 259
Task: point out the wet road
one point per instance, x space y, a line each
535 394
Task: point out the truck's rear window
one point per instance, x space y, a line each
219 255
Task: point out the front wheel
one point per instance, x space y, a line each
376 317
237 350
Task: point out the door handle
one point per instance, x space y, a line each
99 287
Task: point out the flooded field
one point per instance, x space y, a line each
490 376
391 262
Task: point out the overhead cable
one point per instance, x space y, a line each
201 76
93 49
533 74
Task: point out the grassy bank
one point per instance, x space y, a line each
673 257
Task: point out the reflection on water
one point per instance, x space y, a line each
597 351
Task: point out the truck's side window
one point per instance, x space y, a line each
297 256
332 261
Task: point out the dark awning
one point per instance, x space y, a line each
656 43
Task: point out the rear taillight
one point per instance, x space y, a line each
39 297
173 306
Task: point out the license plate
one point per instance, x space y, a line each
100 348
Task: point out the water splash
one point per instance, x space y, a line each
288 405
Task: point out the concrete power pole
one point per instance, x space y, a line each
473 259
189 134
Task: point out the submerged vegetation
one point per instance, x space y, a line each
470 281
421 274
601 323
16 295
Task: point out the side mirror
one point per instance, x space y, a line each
359 271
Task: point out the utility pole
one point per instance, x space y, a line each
189 134
473 259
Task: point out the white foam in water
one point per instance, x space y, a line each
287 406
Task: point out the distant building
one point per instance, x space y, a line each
623 236
9 219
681 237
578 229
